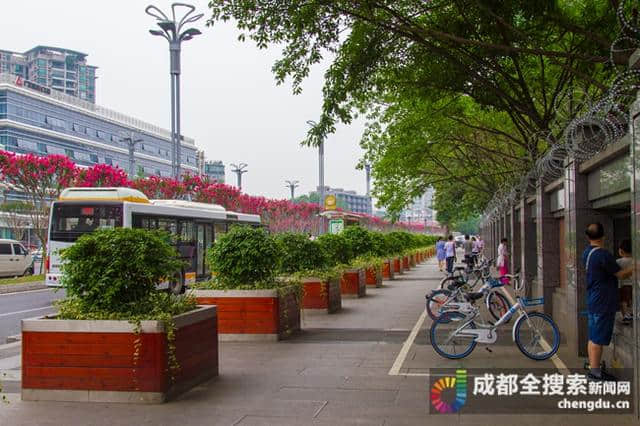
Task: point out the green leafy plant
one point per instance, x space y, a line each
299 253
336 248
244 256
359 240
116 269
380 245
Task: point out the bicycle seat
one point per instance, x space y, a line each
475 295
460 268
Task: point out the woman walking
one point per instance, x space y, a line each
450 254
502 261
440 254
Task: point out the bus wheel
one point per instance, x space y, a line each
176 284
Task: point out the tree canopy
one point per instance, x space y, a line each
460 95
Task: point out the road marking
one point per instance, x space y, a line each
14 293
8 314
395 368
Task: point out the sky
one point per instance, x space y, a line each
231 104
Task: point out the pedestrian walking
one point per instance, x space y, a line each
450 254
474 251
502 262
440 254
480 247
626 293
467 245
603 297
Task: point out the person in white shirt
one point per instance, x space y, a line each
450 253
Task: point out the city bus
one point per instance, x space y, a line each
193 226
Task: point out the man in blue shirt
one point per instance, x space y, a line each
602 296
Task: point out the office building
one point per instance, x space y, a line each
34 119
350 200
215 170
53 68
420 210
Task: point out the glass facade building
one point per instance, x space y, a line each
353 201
63 70
39 121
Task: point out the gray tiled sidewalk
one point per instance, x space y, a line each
334 373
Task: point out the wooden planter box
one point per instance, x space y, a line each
397 265
405 262
387 269
373 276
254 315
420 257
73 360
412 260
353 283
320 294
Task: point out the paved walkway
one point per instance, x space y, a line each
362 366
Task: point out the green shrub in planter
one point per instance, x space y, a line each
395 243
379 243
112 269
336 249
299 253
244 257
359 240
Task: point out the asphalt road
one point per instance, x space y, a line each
26 304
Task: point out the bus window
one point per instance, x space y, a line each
69 221
208 241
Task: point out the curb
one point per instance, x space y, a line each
16 288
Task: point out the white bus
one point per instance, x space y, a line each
195 226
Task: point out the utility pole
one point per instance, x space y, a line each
131 139
239 170
292 185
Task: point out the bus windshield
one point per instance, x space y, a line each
70 221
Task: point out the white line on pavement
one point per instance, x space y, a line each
8 314
395 368
25 292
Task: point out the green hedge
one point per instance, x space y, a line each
299 253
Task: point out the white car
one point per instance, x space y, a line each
14 259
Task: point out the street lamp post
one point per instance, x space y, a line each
131 140
292 185
239 169
172 31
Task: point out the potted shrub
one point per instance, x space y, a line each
381 250
338 252
305 261
116 337
372 269
253 305
396 246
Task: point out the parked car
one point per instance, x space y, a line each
14 259
36 255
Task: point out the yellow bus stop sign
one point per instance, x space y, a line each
330 202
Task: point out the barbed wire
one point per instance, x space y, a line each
581 137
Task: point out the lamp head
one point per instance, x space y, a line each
167 25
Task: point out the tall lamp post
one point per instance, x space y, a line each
171 28
320 166
239 169
367 169
292 185
131 139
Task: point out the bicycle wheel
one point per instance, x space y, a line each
537 337
498 305
435 301
458 346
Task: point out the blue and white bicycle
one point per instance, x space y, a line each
455 334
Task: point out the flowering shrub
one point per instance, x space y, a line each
43 178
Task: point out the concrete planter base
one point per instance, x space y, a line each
373 276
387 269
93 361
254 315
353 283
321 295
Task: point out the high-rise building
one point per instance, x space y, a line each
215 170
54 68
420 210
37 120
351 200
